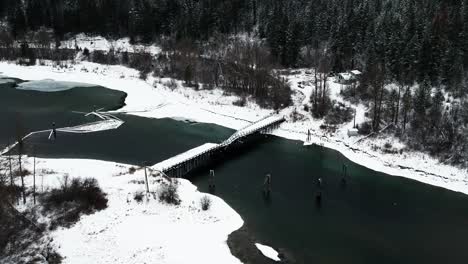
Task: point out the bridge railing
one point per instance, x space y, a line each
244 132
236 134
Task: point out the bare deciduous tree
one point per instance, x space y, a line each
19 139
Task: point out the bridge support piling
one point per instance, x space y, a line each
267 185
212 185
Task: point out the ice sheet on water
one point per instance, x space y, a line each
49 85
6 80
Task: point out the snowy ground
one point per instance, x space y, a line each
132 232
152 98
103 44
368 152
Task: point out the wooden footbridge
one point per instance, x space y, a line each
182 164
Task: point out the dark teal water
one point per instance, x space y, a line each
136 141
25 111
375 218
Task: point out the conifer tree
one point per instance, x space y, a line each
406 106
436 109
421 104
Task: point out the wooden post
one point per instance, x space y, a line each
34 176
146 179
344 174
318 199
23 190
212 185
54 131
12 183
11 170
354 126
267 185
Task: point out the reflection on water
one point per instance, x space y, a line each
368 218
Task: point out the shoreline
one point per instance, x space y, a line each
242 245
131 231
152 99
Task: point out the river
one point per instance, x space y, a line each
373 218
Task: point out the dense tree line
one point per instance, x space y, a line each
239 67
412 38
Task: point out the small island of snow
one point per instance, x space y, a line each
268 252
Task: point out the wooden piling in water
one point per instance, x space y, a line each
267 185
212 184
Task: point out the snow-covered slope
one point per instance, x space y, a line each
93 43
131 232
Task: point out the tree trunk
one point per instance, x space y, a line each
34 180
23 190
11 171
374 118
398 105
316 89
380 105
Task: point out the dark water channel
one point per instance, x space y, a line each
374 218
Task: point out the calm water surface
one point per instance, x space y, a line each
375 218
25 111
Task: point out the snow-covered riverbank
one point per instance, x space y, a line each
128 231
152 98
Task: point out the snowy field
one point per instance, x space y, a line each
93 43
138 232
152 98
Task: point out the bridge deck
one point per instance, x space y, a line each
166 164
262 123
189 160
252 128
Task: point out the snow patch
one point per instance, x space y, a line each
48 85
93 43
104 125
268 252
